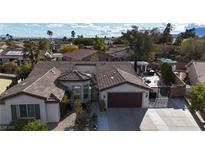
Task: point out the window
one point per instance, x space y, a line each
152 95
85 91
31 110
37 111
13 112
25 111
77 92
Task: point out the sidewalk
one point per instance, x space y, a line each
67 123
102 118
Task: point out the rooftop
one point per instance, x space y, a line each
167 60
152 81
73 75
42 81
200 69
14 53
116 49
42 85
80 54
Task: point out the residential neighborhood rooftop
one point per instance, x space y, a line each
115 49
73 75
199 67
79 54
41 81
42 86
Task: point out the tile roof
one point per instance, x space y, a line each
200 69
42 82
73 75
110 76
116 49
43 86
80 54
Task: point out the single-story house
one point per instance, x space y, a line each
196 72
11 54
3 45
57 56
86 55
40 94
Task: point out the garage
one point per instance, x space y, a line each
126 100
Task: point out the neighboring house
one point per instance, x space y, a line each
11 54
3 45
86 55
196 72
141 67
119 52
108 41
57 56
169 61
39 95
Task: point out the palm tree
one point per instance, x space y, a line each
9 37
73 34
50 34
31 52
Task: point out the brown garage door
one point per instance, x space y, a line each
124 100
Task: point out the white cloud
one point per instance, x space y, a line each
177 28
32 25
59 25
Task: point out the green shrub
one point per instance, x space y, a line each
167 74
24 70
64 104
18 125
36 125
78 107
102 105
197 96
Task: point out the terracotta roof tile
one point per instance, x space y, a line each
80 54
73 75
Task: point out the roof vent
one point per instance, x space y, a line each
53 71
24 83
112 77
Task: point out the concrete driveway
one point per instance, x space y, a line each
175 117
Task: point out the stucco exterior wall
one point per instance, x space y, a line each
192 74
126 88
69 85
2 114
53 112
23 99
179 89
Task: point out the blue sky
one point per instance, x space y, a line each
86 29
